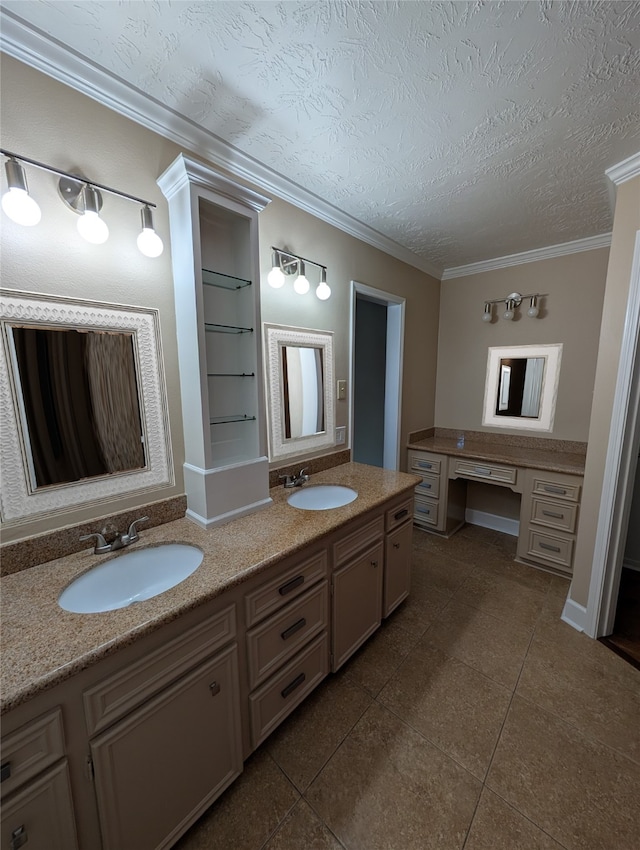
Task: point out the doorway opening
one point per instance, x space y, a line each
377 343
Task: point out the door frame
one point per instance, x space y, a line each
393 372
620 466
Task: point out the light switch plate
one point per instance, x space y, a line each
341 435
342 390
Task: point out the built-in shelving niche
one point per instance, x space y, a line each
216 279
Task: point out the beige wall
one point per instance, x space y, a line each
48 121
575 287
626 223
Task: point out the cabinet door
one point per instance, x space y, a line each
40 815
158 769
397 568
357 603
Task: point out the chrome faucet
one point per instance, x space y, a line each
294 480
119 542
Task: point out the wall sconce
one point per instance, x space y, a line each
512 302
284 263
83 196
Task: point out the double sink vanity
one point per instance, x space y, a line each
120 728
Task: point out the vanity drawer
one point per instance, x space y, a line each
554 514
422 462
276 640
281 694
272 595
558 489
30 749
119 694
399 514
425 511
430 486
487 471
556 550
350 545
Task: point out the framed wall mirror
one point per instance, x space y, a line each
521 387
83 412
299 375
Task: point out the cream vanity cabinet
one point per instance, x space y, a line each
549 519
165 736
439 502
214 247
37 810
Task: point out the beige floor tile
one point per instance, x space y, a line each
387 788
248 812
497 826
492 645
576 789
501 597
303 830
559 587
438 572
310 736
373 665
457 708
587 689
504 565
461 547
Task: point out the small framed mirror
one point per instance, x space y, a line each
522 386
84 406
299 378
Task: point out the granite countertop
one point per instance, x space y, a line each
43 645
551 460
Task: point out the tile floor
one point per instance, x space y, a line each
473 719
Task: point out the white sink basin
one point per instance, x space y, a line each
132 577
322 497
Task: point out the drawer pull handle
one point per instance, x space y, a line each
423 511
285 692
549 547
424 465
396 545
553 514
401 514
214 687
481 470
300 624
549 488
291 585
5 771
425 486
19 837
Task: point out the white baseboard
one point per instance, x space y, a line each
574 615
493 521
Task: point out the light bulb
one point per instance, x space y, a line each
533 310
275 278
301 284
148 241
508 313
16 202
486 316
90 226
323 290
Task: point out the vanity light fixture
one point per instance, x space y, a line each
79 194
513 301
284 263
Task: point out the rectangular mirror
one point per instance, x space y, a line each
83 412
299 373
521 387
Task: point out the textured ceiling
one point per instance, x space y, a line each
463 131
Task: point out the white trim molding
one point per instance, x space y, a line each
38 50
495 522
625 170
591 243
574 615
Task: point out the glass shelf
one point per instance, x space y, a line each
223 420
223 281
226 329
231 374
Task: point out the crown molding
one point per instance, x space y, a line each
625 170
44 53
603 240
